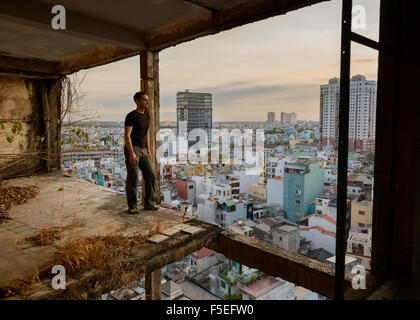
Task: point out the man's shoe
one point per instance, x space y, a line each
151 207
133 211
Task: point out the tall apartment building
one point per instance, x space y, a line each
271 117
303 183
291 118
196 109
362 113
286 117
283 117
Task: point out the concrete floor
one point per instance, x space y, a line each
76 206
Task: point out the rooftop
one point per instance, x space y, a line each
262 286
203 252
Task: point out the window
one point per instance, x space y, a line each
361 213
297 214
298 202
298 182
361 225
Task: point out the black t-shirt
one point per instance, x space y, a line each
140 123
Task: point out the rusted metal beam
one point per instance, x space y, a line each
275 261
154 285
218 20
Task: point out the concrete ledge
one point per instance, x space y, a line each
278 262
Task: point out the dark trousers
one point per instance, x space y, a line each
143 162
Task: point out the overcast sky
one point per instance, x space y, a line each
275 65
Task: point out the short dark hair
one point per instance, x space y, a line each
138 95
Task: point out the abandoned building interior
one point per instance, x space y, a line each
34 62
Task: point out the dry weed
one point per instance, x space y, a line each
10 196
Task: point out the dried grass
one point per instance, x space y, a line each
10 196
84 253
46 237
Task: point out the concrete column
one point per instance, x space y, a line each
29 130
153 285
149 73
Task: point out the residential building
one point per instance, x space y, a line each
196 109
330 176
245 179
203 259
207 210
320 230
303 182
229 211
269 288
302 293
361 212
278 231
258 211
291 118
258 192
275 191
349 262
186 189
234 182
174 274
359 246
193 169
362 113
244 227
274 167
171 290
283 118
166 173
286 237
270 120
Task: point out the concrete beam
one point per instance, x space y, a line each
154 285
37 68
38 14
149 83
102 55
145 259
218 20
275 261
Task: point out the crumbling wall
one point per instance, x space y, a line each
29 125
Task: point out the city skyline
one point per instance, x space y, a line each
248 70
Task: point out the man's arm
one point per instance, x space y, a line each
148 142
128 143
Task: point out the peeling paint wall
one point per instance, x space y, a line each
29 130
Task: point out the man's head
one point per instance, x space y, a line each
142 100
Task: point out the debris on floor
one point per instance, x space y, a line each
10 196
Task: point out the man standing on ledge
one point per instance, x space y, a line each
137 154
